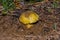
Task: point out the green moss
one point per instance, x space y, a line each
8 4
55 4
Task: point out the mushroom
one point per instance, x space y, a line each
28 18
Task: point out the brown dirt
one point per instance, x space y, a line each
47 28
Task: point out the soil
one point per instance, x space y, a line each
47 28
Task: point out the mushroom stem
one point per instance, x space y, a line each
29 26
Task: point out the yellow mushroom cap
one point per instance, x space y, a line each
28 17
